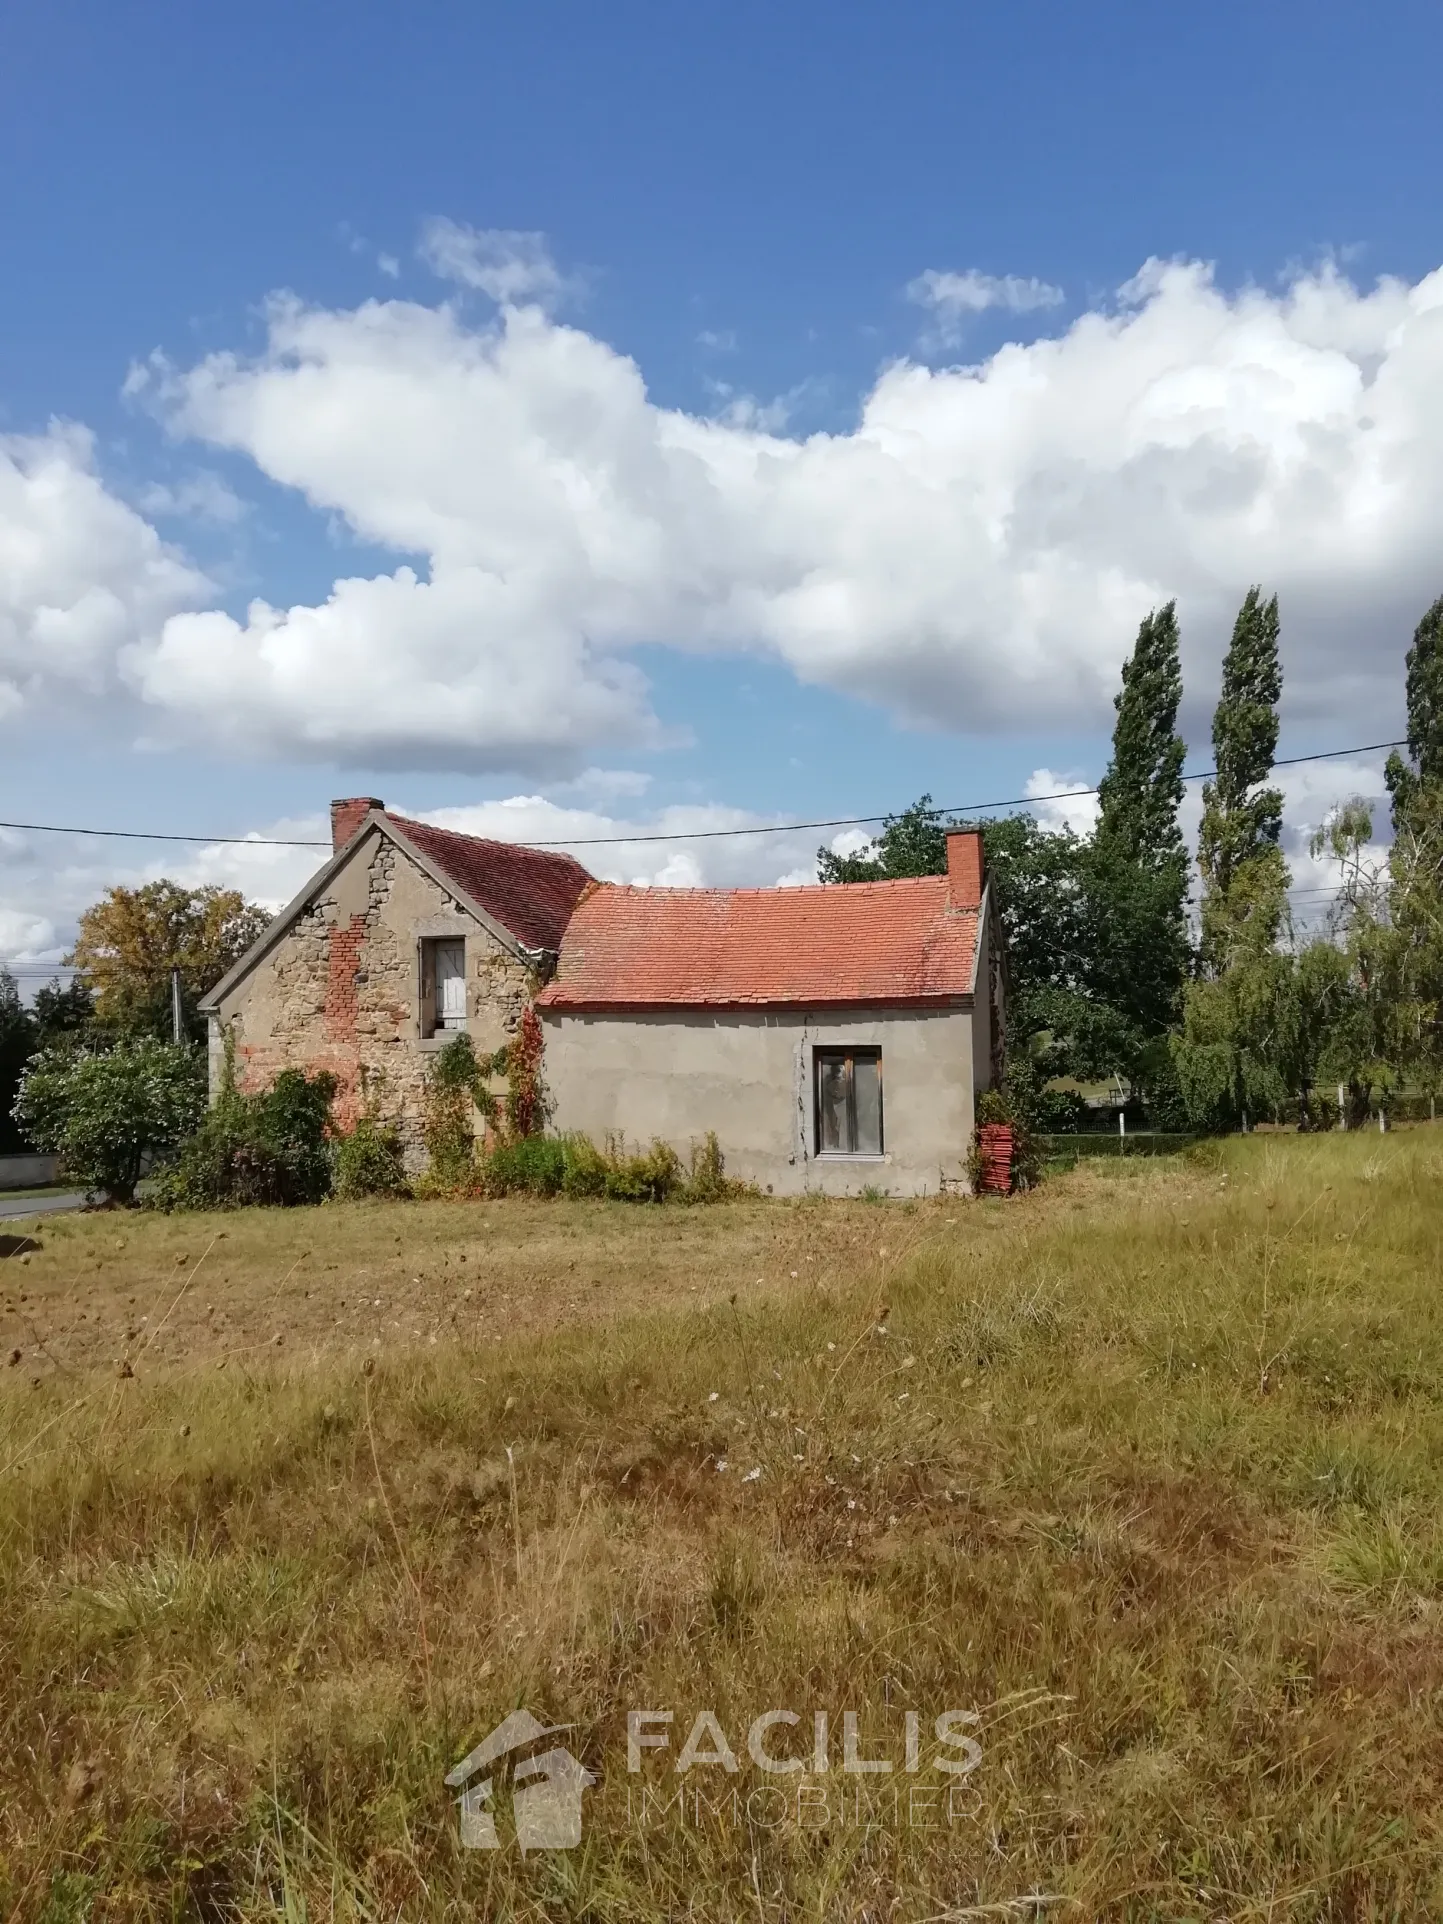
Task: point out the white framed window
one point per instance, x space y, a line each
847 1097
443 963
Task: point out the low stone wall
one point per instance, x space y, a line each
28 1172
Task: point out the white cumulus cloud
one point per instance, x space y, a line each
500 262
82 576
973 552
1062 801
953 298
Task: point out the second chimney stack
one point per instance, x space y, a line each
966 867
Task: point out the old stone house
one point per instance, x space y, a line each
407 935
833 1039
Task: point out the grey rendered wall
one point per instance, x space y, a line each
748 1076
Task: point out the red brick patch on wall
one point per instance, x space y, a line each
341 994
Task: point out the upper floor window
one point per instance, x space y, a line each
848 1102
444 985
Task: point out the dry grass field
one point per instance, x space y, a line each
1143 1471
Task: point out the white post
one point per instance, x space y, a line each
175 1021
1122 1122
1382 1121
1342 1105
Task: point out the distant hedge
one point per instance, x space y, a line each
1138 1142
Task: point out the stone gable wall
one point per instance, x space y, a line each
341 989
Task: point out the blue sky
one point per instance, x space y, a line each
736 209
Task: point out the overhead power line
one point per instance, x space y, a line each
960 808
670 835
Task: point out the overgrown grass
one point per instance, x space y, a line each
1145 1469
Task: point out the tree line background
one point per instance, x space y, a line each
1209 1008
1224 1015
126 949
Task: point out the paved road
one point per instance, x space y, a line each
14 1208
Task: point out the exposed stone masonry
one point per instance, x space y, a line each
341 990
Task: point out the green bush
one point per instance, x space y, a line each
108 1114
1057 1112
529 1165
456 1089
706 1179
267 1148
586 1167
368 1162
652 1175
572 1165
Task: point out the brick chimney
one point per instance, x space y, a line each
348 815
966 867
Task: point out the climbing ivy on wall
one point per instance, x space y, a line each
526 1103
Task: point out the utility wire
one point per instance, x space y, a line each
671 835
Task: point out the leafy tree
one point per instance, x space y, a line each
1416 863
106 1114
1137 866
1321 1013
910 844
17 1044
1036 876
1239 1020
63 1010
1424 695
1238 1026
1242 821
131 941
1141 792
1414 940
1362 1047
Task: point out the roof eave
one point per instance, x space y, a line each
567 1005
277 926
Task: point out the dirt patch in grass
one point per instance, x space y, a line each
193 1291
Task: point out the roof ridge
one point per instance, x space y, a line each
773 888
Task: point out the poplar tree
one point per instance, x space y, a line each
1416 864
1244 876
1424 695
1138 863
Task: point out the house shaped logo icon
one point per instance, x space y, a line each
546 1787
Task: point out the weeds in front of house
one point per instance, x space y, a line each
1144 1469
506 1159
572 1165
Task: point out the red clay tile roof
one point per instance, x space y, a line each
530 891
871 942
